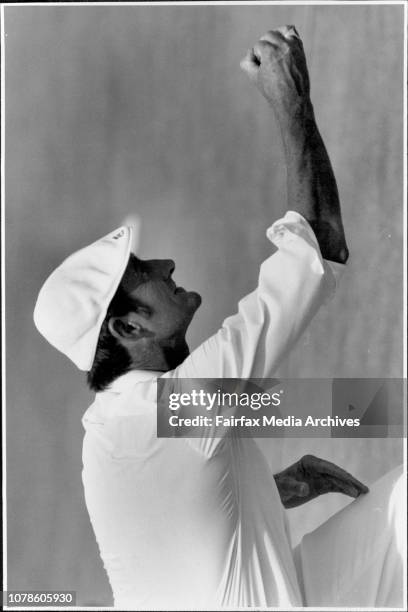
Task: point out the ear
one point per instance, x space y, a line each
126 328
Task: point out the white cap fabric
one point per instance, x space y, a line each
73 301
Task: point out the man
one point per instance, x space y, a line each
199 522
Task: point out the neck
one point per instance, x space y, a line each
159 358
174 356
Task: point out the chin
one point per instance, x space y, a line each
194 299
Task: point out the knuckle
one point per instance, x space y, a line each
273 34
274 42
289 30
309 459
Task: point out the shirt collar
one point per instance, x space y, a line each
129 379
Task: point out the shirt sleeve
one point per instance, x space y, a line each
293 283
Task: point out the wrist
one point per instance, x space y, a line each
297 121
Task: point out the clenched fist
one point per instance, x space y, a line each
277 65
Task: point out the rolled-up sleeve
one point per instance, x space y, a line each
293 283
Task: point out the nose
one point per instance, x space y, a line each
168 266
162 268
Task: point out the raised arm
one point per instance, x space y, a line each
295 280
277 65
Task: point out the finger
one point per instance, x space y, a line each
289 31
262 50
340 486
349 480
326 467
250 64
274 37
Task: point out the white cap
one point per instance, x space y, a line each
73 301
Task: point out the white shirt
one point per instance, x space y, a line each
198 523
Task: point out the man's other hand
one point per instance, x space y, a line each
310 477
277 65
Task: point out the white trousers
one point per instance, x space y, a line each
356 557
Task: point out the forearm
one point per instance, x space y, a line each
311 185
277 65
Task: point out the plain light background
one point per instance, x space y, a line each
111 111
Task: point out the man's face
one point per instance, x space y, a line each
163 308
